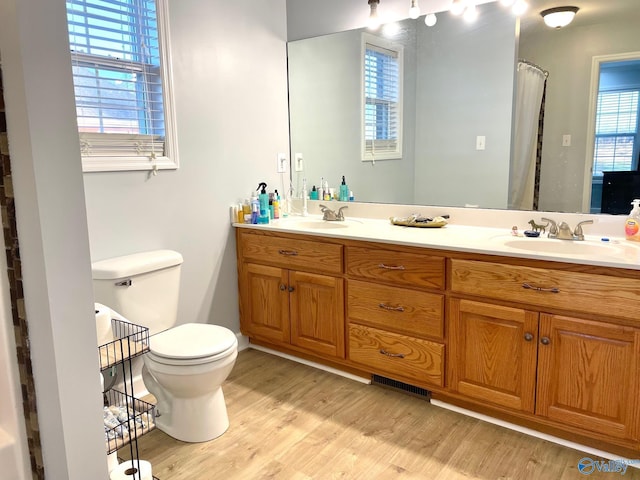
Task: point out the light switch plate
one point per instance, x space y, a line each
480 142
282 163
298 163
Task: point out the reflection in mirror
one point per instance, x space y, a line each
459 85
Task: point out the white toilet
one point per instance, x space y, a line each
186 364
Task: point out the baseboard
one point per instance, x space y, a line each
534 433
309 363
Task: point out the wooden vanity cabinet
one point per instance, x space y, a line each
395 312
576 372
282 304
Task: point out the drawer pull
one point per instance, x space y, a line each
390 308
291 253
545 341
541 289
394 355
528 337
391 267
291 289
283 287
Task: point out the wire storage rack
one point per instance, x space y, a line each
126 417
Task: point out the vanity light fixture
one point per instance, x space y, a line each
414 10
374 20
559 17
457 7
519 7
430 19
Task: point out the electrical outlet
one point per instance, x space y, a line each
298 164
282 163
480 142
566 140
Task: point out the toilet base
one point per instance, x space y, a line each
194 420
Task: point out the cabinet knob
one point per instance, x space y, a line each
283 287
545 341
528 337
291 289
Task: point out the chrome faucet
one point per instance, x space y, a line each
331 216
563 231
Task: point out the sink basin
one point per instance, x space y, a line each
566 247
321 225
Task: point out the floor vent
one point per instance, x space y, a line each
404 387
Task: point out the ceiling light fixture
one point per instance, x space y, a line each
414 10
430 19
374 20
559 17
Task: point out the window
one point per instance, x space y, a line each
616 131
119 52
382 100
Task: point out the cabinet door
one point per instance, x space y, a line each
317 313
264 302
493 353
588 375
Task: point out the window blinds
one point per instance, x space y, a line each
117 77
616 131
381 103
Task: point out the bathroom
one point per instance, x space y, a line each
225 56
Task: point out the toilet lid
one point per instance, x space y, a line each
192 340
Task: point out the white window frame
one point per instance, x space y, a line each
368 39
167 156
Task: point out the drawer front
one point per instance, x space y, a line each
399 268
391 308
397 355
292 253
574 291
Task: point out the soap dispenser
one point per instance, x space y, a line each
263 198
344 191
632 225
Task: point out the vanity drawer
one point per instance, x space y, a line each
398 309
397 355
574 291
399 268
290 253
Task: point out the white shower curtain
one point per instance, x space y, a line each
530 87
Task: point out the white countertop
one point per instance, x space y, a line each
617 252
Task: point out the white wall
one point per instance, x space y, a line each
52 226
567 55
229 66
230 81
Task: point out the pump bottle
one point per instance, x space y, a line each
263 198
344 191
632 225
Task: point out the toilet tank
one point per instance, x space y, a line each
142 287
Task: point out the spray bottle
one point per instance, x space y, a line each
263 199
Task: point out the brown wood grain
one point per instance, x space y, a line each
422 360
397 309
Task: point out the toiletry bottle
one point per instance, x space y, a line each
276 206
314 194
304 197
321 189
327 192
344 191
272 209
240 213
632 225
264 203
255 209
351 197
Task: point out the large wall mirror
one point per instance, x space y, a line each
458 109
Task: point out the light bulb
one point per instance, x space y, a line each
374 20
457 7
471 13
414 11
519 7
430 19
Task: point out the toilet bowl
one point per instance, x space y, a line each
184 370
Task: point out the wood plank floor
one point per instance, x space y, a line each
291 421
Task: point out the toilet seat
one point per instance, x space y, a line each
192 344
